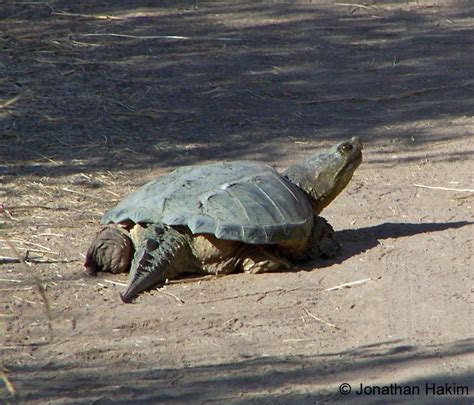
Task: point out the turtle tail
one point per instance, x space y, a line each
161 253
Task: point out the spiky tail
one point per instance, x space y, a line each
161 253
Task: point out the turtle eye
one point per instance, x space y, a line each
346 147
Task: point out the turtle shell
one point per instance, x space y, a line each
244 201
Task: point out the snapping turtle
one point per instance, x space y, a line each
222 217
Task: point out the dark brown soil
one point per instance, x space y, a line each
97 97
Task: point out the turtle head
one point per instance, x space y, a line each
325 174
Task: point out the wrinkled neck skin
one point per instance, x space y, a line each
322 178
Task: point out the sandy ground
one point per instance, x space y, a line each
97 98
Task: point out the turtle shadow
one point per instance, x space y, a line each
356 241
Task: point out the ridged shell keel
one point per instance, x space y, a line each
163 253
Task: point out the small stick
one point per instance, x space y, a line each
28 207
10 388
348 285
82 194
131 114
111 192
7 259
7 213
97 17
171 295
464 197
269 292
40 251
105 34
10 102
10 280
115 283
32 244
261 293
51 261
319 319
194 279
48 159
24 299
354 5
461 190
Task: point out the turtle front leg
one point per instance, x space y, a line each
161 253
322 243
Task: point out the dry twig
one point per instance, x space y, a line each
354 5
349 285
8 259
29 207
10 102
460 190
96 17
115 283
194 279
8 384
81 193
262 294
105 34
319 319
11 280
160 290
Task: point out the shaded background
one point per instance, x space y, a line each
250 79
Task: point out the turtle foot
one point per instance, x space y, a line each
260 260
329 248
324 242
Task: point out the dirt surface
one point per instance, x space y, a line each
97 97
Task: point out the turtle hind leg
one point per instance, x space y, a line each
110 251
263 259
161 253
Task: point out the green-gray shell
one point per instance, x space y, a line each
245 201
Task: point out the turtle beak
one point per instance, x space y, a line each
355 140
358 147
